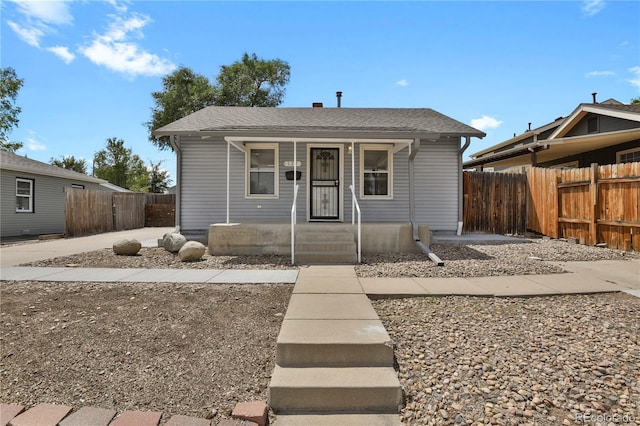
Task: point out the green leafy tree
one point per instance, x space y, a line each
158 178
71 163
253 82
635 101
120 166
10 85
183 92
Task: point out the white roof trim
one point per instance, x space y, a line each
238 141
582 110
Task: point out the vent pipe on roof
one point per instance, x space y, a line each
339 96
529 129
594 97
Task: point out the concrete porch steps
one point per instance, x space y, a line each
334 358
327 247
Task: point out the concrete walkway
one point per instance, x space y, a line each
583 277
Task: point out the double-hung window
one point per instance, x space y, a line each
376 171
628 156
262 170
24 195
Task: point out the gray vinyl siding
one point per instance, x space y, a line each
436 184
48 216
203 186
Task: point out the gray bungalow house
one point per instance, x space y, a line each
605 133
33 197
300 180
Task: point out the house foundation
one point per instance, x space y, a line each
275 238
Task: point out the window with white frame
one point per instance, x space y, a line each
24 195
262 170
376 171
628 156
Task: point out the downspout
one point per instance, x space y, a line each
412 206
461 185
174 141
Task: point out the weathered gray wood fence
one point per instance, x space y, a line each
93 212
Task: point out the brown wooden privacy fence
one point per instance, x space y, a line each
93 212
495 202
598 204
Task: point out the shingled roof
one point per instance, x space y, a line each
10 161
234 120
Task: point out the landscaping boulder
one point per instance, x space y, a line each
127 247
192 251
173 242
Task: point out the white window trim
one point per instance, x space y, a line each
619 154
377 147
276 171
30 196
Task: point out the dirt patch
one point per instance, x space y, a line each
191 349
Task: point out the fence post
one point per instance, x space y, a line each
593 189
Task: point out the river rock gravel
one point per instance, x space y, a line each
561 360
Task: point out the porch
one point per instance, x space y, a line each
333 242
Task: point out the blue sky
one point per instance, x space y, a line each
90 66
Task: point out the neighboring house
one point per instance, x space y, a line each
236 165
603 133
33 198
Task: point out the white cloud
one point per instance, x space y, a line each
402 83
635 80
115 50
592 7
30 35
50 12
34 145
600 74
485 122
63 53
118 5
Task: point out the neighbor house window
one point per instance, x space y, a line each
376 171
628 156
77 186
24 195
262 170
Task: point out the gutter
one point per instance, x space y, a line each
412 206
461 185
173 140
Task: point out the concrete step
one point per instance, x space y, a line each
334 343
304 237
325 246
335 390
338 419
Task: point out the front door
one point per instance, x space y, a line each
325 183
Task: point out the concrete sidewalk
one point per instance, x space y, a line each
12 255
104 275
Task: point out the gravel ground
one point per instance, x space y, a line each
482 260
199 349
192 349
537 361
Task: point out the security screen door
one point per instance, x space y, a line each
325 183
